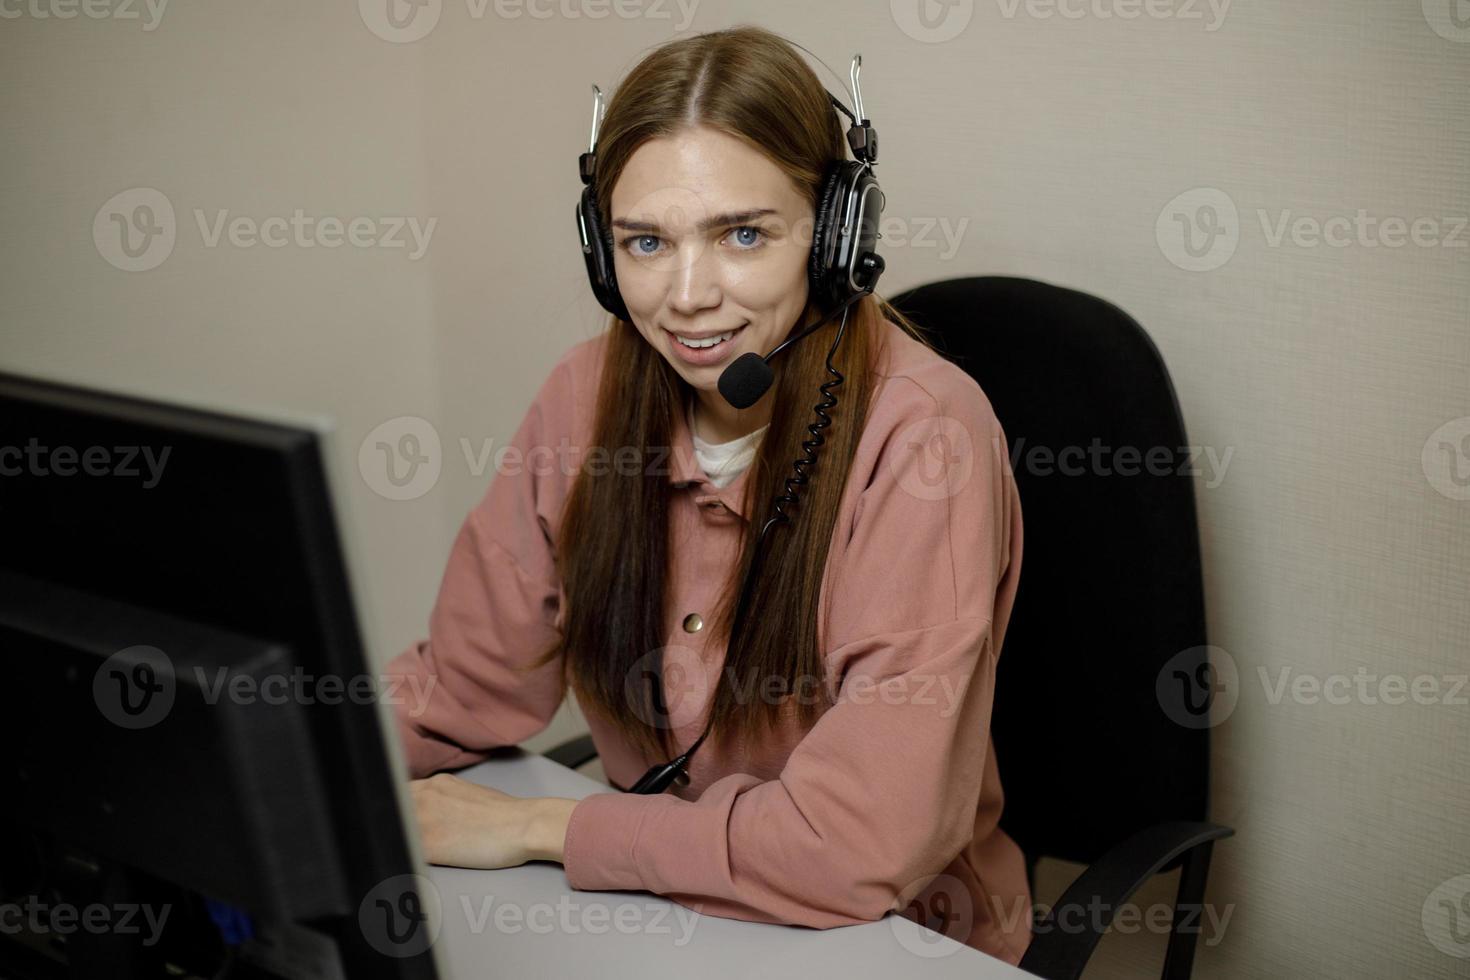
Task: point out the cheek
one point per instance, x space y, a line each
779 281
642 292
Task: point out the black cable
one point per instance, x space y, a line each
659 778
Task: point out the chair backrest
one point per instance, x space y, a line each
1100 725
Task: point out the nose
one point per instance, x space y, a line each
696 282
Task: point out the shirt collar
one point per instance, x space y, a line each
684 470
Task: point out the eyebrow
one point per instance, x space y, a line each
714 221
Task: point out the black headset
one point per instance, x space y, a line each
843 261
842 268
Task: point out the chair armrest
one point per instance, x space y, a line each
1061 948
573 752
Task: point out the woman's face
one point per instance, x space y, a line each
709 236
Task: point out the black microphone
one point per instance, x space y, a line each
750 376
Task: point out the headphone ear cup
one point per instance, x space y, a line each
824 232
597 250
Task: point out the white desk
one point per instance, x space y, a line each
551 930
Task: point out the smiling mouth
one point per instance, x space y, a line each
706 343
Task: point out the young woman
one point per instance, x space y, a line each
848 770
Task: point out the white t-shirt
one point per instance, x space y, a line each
723 462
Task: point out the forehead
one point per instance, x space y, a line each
672 180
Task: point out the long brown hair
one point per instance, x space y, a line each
613 546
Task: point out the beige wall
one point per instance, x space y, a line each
1046 145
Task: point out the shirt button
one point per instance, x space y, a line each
693 623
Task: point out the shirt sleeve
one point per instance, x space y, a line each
464 690
883 790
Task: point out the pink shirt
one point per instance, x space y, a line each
833 825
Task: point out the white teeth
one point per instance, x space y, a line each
707 342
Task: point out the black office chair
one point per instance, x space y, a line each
1104 760
1104 756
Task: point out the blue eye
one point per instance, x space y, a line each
635 244
750 242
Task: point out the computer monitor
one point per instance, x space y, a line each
197 770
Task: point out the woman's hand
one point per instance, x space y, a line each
470 826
